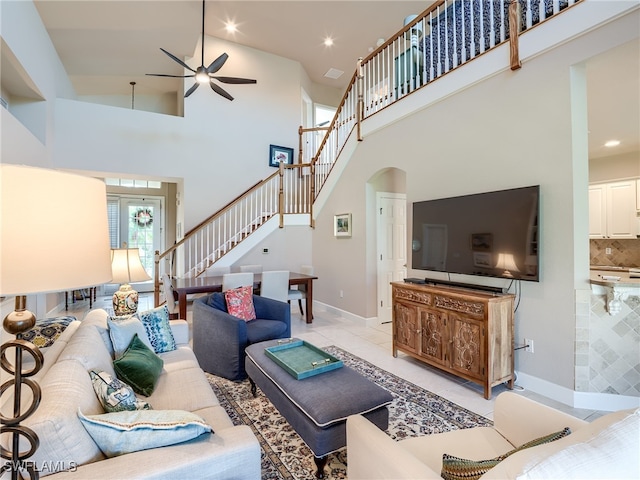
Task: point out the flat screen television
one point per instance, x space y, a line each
493 234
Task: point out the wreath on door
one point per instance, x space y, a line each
143 217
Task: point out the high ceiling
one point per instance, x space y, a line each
105 45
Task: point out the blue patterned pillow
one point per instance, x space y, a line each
114 394
156 323
46 332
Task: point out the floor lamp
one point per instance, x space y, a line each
54 237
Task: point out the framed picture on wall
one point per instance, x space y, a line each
278 155
342 225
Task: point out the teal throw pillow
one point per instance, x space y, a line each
130 431
156 323
455 468
114 394
139 367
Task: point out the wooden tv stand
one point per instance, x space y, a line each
464 332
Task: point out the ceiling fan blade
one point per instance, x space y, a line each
235 80
191 90
217 63
172 76
220 91
173 57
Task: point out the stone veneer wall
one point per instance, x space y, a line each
624 253
607 347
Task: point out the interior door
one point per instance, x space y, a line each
391 248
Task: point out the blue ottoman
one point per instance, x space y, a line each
317 407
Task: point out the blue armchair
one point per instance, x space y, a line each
219 339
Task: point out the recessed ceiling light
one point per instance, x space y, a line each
328 42
612 143
230 27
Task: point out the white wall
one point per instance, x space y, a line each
614 167
511 130
220 148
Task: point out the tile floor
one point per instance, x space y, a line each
374 345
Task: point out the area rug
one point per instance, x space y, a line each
413 412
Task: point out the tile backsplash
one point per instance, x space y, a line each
624 253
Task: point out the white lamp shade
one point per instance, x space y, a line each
126 266
507 262
54 234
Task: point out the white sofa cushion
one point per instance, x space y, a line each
186 389
64 443
87 347
612 452
608 447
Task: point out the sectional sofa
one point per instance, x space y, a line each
607 448
67 449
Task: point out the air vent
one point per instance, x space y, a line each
333 73
4 103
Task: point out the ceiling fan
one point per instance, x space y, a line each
205 74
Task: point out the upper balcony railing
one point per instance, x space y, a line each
444 37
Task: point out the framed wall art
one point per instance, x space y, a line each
342 225
278 155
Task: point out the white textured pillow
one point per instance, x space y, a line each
613 452
122 330
130 431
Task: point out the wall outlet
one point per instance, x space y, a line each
265 250
341 294
607 251
528 345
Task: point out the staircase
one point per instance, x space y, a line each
444 37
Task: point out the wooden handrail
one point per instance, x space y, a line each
220 210
362 99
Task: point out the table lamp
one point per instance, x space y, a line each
507 263
54 237
126 267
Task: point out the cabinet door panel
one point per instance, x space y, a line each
621 214
433 338
406 326
467 346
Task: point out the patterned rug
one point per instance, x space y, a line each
413 412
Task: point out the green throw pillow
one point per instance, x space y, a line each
130 431
455 468
139 367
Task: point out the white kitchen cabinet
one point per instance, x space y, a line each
612 210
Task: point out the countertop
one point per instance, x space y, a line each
598 272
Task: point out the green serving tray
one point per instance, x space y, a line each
301 359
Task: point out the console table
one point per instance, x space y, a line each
464 332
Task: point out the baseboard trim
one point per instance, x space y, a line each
588 400
331 310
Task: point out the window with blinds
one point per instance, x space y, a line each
113 215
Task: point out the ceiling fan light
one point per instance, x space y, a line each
202 77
